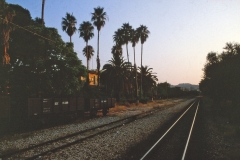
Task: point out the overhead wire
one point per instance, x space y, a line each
34 33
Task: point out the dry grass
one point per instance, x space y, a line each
121 108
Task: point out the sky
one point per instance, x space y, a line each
182 32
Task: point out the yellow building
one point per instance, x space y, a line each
92 75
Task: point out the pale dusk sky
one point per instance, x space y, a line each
182 32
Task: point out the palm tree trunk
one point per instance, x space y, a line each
87 54
127 52
141 70
87 62
135 68
98 60
70 39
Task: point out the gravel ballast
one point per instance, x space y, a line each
114 143
110 145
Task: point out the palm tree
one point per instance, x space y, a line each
88 53
118 37
7 15
86 32
115 75
99 17
149 79
134 40
126 31
116 50
68 25
143 35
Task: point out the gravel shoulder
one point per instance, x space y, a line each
221 132
115 143
111 145
220 135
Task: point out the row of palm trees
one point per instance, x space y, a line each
118 78
86 29
127 34
121 37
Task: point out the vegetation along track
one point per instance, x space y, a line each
174 141
40 149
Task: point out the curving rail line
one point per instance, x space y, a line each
157 142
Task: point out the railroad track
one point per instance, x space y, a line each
41 149
174 142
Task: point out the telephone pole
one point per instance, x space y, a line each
43 3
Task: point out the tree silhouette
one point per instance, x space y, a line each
143 35
99 17
88 53
7 14
221 74
68 25
126 35
86 32
134 41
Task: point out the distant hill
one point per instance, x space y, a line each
186 86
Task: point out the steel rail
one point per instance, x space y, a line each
185 150
129 119
166 132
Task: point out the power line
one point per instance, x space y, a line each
34 33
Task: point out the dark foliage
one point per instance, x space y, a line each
45 67
222 74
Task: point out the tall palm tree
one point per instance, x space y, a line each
68 25
86 32
143 34
98 17
134 40
88 53
118 37
126 35
116 50
7 15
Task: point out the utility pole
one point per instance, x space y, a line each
43 3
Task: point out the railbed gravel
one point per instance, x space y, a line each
31 138
110 145
114 143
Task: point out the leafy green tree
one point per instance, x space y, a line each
98 17
143 35
221 74
68 25
39 66
22 16
7 14
163 90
